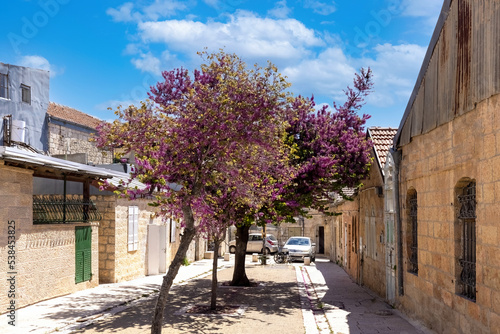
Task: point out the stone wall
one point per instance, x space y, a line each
116 262
107 258
433 165
69 140
45 254
131 264
344 250
372 231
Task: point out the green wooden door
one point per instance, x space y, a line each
83 253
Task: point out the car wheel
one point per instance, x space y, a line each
266 251
232 249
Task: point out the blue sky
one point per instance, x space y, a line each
105 53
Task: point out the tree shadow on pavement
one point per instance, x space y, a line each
275 304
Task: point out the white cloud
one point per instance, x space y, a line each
280 11
395 70
319 7
249 35
421 8
158 9
147 63
326 75
123 13
39 62
212 3
428 10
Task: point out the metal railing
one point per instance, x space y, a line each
56 209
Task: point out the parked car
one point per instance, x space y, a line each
254 244
300 247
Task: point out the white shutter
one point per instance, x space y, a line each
133 228
173 231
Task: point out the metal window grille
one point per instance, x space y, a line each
413 254
467 217
54 209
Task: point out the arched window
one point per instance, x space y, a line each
412 241
466 239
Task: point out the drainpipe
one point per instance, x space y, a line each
396 154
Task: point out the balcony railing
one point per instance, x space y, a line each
56 209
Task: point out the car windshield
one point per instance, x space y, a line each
298 242
271 237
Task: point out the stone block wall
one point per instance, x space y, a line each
68 140
44 254
131 264
433 165
107 237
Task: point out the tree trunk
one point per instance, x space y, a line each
239 274
168 279
213 303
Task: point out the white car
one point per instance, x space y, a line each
254 244
300 247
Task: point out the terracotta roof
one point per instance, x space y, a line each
72 115
382 141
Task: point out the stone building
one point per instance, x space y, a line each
446 165
69 134
359 235
50 241
133 241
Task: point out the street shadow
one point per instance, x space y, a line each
272 303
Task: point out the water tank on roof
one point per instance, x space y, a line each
18 131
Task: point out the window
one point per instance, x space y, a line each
26 94
467 241
371 234
4 86
133 228
412 232
354 235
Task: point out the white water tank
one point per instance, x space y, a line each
18 131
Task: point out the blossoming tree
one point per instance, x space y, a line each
330 153
209 135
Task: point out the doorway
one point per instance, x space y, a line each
321 240
157 249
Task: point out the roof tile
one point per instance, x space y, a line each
382 139
72 115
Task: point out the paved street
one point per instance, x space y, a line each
320 298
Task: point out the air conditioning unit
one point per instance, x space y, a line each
18 131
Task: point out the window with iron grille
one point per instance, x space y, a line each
413 231
4 86
26 94
467 225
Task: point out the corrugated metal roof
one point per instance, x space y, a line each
382 139
425 64
29 158
72 115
